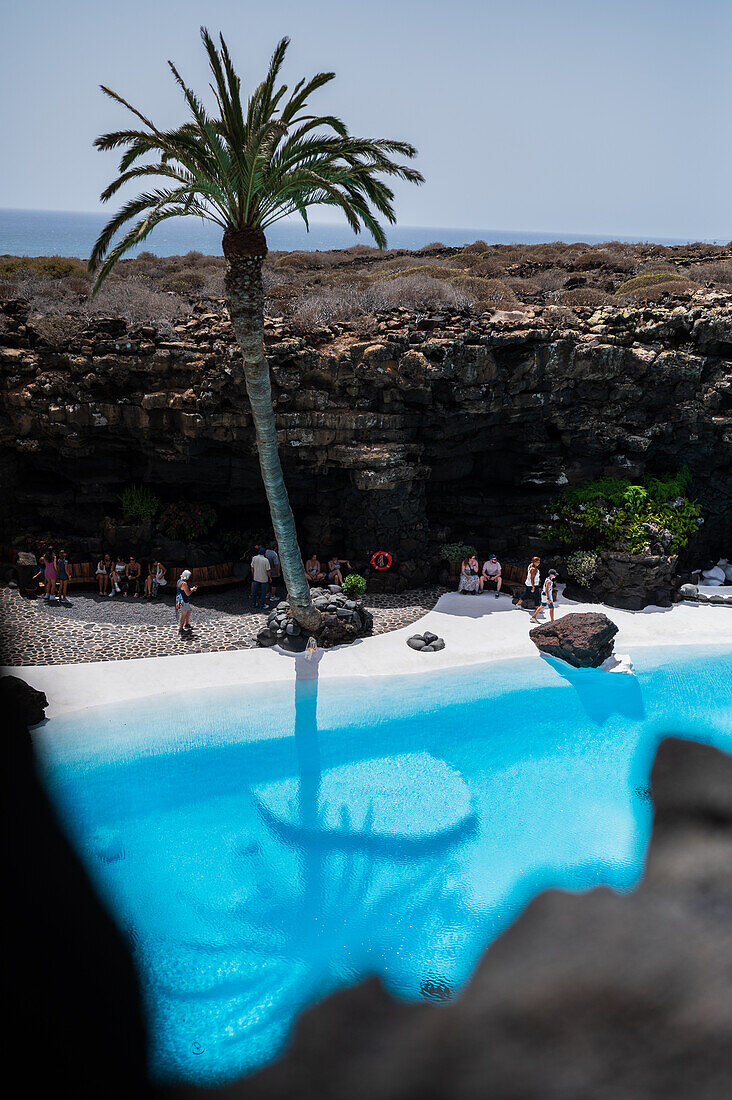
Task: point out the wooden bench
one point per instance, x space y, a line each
512 576
82 572
206 576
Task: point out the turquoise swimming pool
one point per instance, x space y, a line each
262 846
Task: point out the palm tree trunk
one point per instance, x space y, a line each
245 251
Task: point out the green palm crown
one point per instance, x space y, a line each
247 166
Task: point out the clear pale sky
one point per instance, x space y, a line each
572 116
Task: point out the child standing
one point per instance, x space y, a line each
64 572
50 572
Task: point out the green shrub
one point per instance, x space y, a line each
354 585
615 514
456 551
187 520
139 503
582 566
48 267
644 282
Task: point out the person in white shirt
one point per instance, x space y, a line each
547 596
261 579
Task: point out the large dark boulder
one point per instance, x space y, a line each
22 700
583 639
629 581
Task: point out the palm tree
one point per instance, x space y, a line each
245 167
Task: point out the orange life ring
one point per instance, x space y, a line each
381 560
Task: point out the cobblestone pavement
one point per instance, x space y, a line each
95 628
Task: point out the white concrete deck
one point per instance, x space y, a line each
475 628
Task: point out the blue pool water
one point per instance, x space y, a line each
263 846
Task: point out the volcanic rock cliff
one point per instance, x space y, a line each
393 434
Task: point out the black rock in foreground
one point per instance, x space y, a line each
23 700
583 639
596 996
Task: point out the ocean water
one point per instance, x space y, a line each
261 847
64 233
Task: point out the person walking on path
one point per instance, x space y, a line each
64 572
50 572
492 574
531 584
183 602
547 596
261 579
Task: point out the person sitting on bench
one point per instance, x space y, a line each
492 573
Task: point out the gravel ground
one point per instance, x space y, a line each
95 628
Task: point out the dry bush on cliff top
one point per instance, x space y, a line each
131 298
718 273
585 296
328 304
419 291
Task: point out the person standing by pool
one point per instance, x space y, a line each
492 573
547 596
261 579
532 582
64 572
184 591
50 572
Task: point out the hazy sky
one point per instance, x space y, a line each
571 116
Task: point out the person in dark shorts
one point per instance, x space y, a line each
184 591
64 574
547 596
531 584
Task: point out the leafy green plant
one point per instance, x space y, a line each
187 521
354 585
139 503
582 566
456 551
615 514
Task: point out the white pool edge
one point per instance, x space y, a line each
477 629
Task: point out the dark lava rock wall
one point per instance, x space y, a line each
391 438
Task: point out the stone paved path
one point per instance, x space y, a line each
93 628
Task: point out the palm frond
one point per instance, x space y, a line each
248 165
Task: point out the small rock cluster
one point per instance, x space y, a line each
343 620
717 577
426 643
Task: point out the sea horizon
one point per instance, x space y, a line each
72 233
